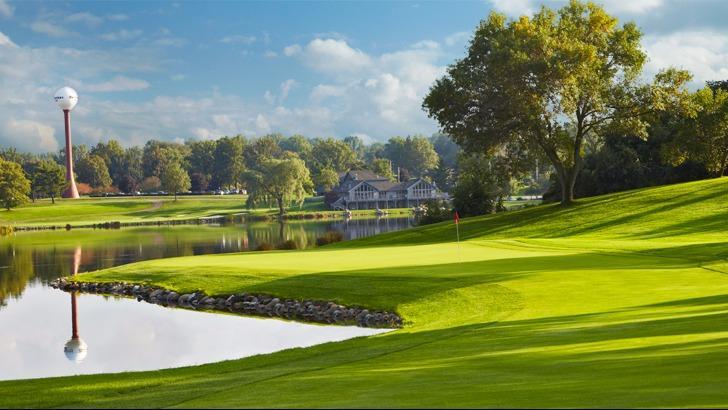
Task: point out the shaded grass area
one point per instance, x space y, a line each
621 301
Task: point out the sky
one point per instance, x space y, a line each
184 70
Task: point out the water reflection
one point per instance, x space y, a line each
39 257
75 349
127 335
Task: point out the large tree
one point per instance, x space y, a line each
703 134
298 144
281 180
157 154
415 154
550 81
175 179
326 179
14 186
332 153
92 170
113 155
49 178
229 162
482 183
202 159
383 168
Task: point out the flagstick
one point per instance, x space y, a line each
457 230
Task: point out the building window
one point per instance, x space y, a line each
364 192
421 191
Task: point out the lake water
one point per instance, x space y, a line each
118 334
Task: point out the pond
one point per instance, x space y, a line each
116 334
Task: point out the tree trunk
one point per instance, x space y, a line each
175 196
53 199
723 165
281 211
567 180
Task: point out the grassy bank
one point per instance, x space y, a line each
137 209
87 211
619 301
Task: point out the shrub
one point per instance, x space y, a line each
6 230
265 246
435 211
288 245
329 237
84 188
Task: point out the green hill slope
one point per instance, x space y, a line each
619 301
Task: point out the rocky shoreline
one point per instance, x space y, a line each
243 303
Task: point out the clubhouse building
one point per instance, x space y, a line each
362 189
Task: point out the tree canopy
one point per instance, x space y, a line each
175 179
14 186
550 81
281 180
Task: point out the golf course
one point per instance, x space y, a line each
618 300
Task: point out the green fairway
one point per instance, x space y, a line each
619 301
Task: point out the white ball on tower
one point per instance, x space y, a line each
75 350
66 98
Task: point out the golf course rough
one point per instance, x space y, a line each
619 301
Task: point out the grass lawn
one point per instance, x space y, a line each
619 301
138 209
87 211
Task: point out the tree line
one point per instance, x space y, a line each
555 103
274 169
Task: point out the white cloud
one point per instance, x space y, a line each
86 18
703 53
49 29
270 54
515 8
269 97
238 39
117 17
5 41
6 10
457 38
631 6
262 124
323 91
286 87
118 83
30 135
170 42
330 55
292 50
122 34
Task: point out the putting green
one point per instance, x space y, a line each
619 301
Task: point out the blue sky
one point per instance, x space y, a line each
181 70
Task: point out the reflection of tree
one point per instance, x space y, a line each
16 270
48 255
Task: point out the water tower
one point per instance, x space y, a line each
67 98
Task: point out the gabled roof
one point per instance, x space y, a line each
362 175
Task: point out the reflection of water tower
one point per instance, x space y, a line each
75 349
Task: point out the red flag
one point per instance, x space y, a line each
457 218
